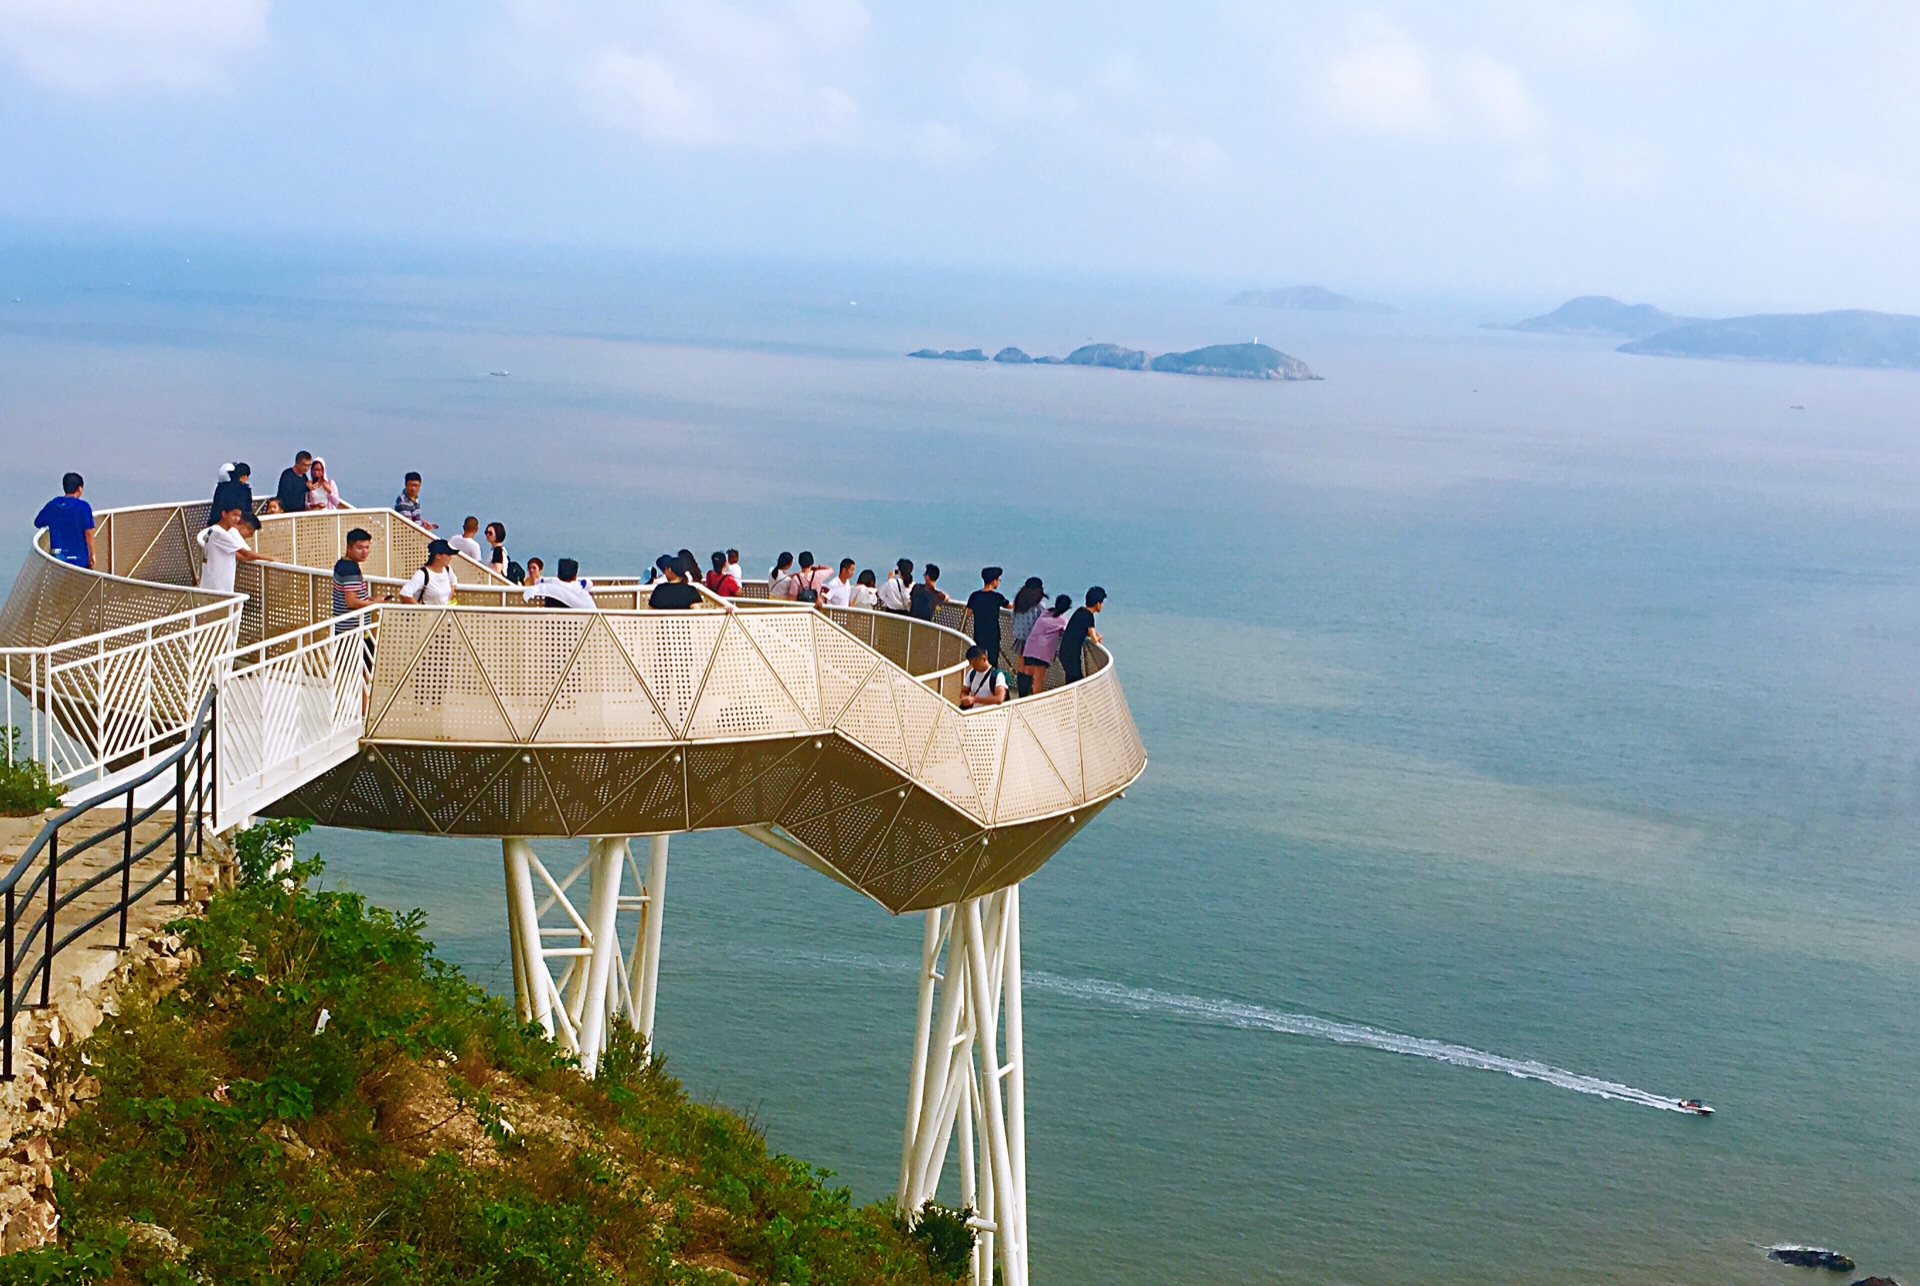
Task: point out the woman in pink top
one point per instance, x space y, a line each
1043 641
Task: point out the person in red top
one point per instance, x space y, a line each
720 580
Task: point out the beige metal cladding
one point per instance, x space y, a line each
505 721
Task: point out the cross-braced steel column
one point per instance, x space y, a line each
968 1077
598 986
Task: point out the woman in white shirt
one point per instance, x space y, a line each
321 491
433 585
780 581
864 594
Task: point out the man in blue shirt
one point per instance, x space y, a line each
69 523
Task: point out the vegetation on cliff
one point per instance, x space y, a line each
317 1097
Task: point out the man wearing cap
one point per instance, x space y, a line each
234 489
1080 632
433 585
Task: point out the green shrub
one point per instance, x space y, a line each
24 788
421 1134
947 1236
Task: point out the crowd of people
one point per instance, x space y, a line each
1045 629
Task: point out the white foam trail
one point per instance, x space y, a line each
1233 1013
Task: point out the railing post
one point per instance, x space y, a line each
126 868
180 829
53 878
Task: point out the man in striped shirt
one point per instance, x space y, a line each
350 592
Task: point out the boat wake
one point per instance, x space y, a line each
1233 1013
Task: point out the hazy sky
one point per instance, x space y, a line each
1709 156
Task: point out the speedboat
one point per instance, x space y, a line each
1694 1106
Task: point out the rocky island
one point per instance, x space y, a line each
1234 361
1598 315
1852 337
1847 337
1309 299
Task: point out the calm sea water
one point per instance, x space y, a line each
1529 723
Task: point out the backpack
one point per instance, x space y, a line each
516 573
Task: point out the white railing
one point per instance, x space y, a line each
92 706
288 709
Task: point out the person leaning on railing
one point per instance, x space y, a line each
226 549
350 592
1080 632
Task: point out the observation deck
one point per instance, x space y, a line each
831 735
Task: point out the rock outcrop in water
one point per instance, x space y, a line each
1234 361
1811 1257
951 354
1237 361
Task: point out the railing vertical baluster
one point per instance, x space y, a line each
126 868
53 878
6 1072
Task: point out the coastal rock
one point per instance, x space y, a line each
951 354
1811 1257
1235 361
1012 356
1599 315
1876 1281
1049 361
1311 299
1113 355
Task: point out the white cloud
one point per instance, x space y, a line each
1498 98
942 147
1194 156
1387 83
1384 84
95 46
709 74
997 91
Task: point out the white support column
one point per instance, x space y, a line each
647 948
594 989
963 1084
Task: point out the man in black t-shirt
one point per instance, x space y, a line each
292 491
985 604
926 596
1079 632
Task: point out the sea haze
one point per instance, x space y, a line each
1534 728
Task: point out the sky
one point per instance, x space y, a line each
1708 157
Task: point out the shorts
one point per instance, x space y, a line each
1035 662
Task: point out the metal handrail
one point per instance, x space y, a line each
17 942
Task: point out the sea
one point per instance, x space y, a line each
1534 729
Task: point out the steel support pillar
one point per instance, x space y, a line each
598 983
968 1078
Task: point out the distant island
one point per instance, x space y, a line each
1237 361
1309 299
1234 361
1849 337
951 354
1599 315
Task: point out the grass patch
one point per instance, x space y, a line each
415 1133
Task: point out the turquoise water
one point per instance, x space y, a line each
1501 691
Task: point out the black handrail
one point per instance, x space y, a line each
24 883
